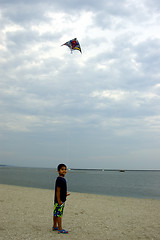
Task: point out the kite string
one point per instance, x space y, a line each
68 146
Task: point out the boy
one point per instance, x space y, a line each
60 198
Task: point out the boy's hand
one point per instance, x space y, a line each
68 194
60 203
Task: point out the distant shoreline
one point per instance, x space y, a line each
89 169
112 170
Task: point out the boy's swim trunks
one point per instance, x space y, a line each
58 210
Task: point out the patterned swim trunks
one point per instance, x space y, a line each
58 210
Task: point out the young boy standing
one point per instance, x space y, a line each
60 198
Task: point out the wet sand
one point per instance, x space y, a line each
26 213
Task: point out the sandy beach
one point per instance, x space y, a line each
26 213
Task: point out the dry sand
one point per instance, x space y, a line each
26 213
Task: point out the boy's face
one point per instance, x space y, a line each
62 172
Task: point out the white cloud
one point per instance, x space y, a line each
116 95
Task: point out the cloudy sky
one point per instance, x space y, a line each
98 109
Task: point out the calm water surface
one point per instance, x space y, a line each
139 184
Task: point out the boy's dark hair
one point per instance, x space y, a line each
60 166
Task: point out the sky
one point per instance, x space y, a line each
98 109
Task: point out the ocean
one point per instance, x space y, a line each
137 184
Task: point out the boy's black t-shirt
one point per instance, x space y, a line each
61 182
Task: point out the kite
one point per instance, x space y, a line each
73 45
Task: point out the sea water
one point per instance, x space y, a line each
138 184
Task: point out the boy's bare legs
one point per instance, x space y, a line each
57 221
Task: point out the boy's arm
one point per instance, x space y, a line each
58 196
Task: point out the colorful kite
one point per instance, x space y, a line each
73 45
